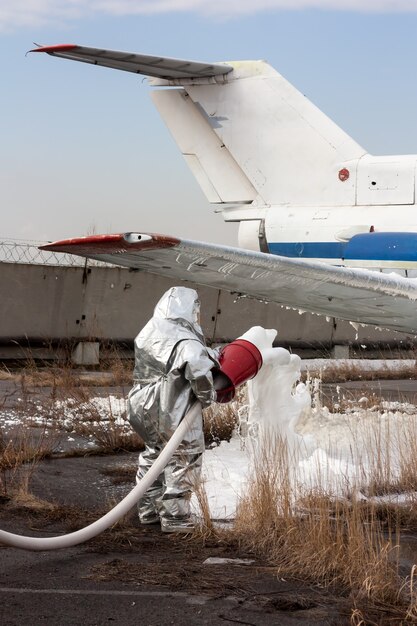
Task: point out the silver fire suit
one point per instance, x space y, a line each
172 368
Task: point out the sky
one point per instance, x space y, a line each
84 151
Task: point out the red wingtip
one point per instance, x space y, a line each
101 240
62 47
110 244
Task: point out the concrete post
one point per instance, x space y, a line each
340 352
86 353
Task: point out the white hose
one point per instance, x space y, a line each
94 529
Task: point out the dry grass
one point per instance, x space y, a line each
114 371
382 434
410 590
347 400
205 529
40 514
389 449
19 457
185 575
340 372
338 543
120 369
27 504
5 373
220 421
67 402
109 435
43 384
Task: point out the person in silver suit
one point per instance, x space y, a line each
172 369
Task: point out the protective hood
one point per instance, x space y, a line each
175 319
180 305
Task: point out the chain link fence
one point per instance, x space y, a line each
27 251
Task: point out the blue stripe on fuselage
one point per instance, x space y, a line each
309 249
399 247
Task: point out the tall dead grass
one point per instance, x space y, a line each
220 421
386 452
312 535
19 458
339 371
114 371
111 433
66 399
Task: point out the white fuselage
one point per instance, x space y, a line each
323 234
376 230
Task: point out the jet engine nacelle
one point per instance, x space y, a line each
394 247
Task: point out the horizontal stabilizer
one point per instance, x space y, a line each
159 67
356 295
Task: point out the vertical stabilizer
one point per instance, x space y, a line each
247 134
254 135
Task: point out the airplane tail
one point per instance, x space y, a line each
253 137
247 134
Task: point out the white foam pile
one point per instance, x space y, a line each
339 453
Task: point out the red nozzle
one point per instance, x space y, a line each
239 362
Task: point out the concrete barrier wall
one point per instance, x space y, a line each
48 303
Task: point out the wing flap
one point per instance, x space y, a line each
356 295
159 67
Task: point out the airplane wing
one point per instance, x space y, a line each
159 67
362 296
